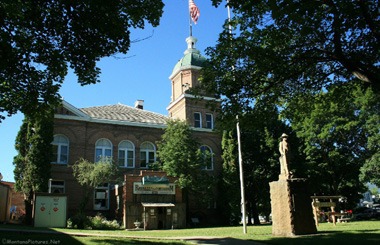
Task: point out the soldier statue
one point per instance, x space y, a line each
284 158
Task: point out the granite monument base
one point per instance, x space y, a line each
292 212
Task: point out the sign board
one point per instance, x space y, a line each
139 188
324 204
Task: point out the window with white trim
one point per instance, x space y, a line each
126 155
209 121
207 158
197 120
56 186
60 149
147 154
103 150
101 197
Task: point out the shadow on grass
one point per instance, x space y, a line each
333 237
31 237
12 234
225 241
123 241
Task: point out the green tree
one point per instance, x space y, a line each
370 172
229 198
261 129
370 107
181 157
284 47
90 175
32 164
335 127
40 40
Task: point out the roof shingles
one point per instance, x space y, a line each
124 113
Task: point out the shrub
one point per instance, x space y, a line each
78 221
99 222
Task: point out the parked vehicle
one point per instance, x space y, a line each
367 214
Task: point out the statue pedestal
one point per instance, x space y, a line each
292 212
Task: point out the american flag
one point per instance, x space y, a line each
194 11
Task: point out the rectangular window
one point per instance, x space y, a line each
104 155
130 160
143 160
121 158
60 154
55 154
101 197
126 158
64 154
146 157
108 152
151 157
98 154
209 121
56 186
197 120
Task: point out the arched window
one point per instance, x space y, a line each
207 158
126 156
147 154
103 150
60 149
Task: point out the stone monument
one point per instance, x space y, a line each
292 212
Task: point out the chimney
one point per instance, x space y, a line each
139 104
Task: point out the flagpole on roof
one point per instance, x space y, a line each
194 14
190 24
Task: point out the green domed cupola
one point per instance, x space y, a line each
192 58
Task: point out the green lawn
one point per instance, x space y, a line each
363 232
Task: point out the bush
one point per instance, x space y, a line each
99 222
78 221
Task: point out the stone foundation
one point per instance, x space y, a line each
291 208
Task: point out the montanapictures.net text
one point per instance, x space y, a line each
30 241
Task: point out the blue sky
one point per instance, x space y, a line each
141 74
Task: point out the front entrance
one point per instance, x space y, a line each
158 216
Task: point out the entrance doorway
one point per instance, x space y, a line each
158 216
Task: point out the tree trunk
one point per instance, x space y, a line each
28 208
84 201
255 214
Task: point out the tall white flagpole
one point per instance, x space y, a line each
241 173
242 191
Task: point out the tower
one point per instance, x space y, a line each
184 105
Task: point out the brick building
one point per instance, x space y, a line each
129 135
12 206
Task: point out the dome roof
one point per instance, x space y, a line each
192 58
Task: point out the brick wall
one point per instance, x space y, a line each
82 137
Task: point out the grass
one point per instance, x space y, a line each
358 232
